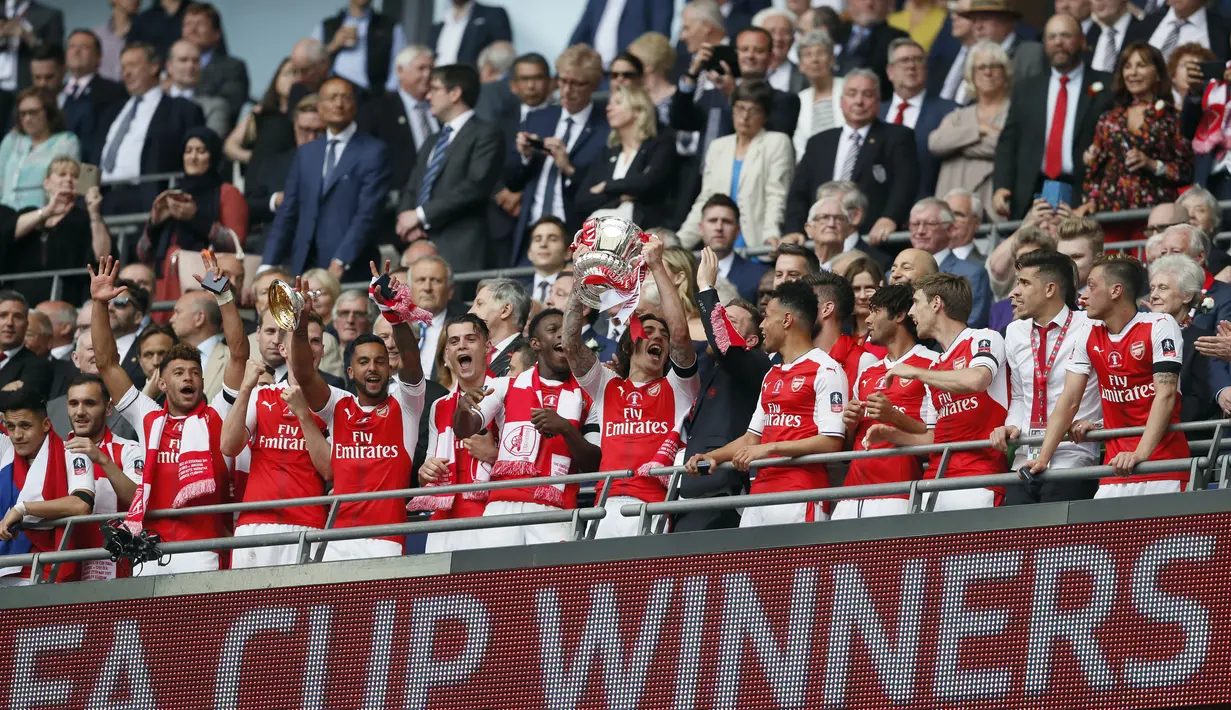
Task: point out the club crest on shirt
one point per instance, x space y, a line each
551 400
1138 350
1114 360
985 346
959 363
139 465
835 402
1168 347
798 383
382 410
655 389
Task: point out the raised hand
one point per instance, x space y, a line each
434 470
652 250
253 370
473 397
707 271
293 396
102 282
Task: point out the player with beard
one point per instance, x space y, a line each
880 400
182 437
452 460
641 407
548 427
39 480
118 463
799 411
374 430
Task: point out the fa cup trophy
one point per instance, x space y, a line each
286 304
611 271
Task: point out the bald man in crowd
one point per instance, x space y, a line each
910 264
63 319
197 320
82 359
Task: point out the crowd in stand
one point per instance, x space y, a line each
814 131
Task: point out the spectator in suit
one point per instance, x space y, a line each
878 157
62 317
431 285
820 105
967 211
1191 242
266 178
603 347
866 41
267 129
466 30
1109 32
82 361
313 63
112 35
446 196
87 94
1202 210
1031 124
753 166
38 335
333 195
38 138
1205 383
184 82
728 397
931 230
828 226
126 313
197 321
495 67
997 21
549 255
362 44
964 143
222 75
609 26
782 74
657 57
719 229
911 106
573 136
1079 10
403 118
353 314
948 57
1184 21
159 25
855 206
47 68
504 305
921 20
634 176
144 135
29 26
20 368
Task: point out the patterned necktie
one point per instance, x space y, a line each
1173 38
1109 50
425 126
125 125
553 173
434 166
852 155
331 159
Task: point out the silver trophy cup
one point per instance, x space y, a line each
611 262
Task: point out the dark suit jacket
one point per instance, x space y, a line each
487 24
1221 293
980 289
227 77
638 17
729 393
499 365
265 177
320 221
603 347
154 26
1217 26
887 171
649 179
872 53
34 372
1201 378
931 113
62 373
1133 33
131 362
745 275
691 112
82 113
588 147
496 98
456 213
1019 153
391 124
48 24
163 151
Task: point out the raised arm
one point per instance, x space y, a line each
317 444
315 389
411 371
100 236
235 434
106 355
682 352
580 358
232 324
967 381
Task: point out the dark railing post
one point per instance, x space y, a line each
930 503
1212 458
36 569
912 498
302 549
68 531
600 502
320 546
577 521
643 521
673 492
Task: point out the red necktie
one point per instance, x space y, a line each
901 116
1038 407
1053 164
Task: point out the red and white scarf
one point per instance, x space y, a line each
480 471
1212 134
43 479
625 293
88 536
196 462
524 452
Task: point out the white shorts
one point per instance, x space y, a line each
270 556
362 549
617 525
961 500
1144 488
179 563
452 541
16 580
870 508
783 514
518 535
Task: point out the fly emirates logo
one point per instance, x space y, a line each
361 447
634 426
949 406
775 417
1117 390
172 453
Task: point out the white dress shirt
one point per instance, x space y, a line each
351 63
1194 30
429 342
128 159
780 78
74 87
177 92
536 291
580 119
206 348
504 344
451 30
724 264
913 107
1021 360
62 352
1070 117
953 87
1120 27
844 147
454 126
962 252
343 140
606 34
124 343
8 355
417 131
9 46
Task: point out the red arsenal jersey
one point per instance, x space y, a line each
907 396
635 419
280 466
441 443
971 417
1125 364
799 400
852 357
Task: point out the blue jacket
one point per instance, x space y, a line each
745 275
335 220
639 17
980 288
932 112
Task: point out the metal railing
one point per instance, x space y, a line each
1201 468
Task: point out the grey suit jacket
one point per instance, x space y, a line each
57 412
455 213
1028 60
217 114
227 77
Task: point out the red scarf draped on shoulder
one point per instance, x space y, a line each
524 453
200 456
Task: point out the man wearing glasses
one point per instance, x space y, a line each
126 315
931 228
911 106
